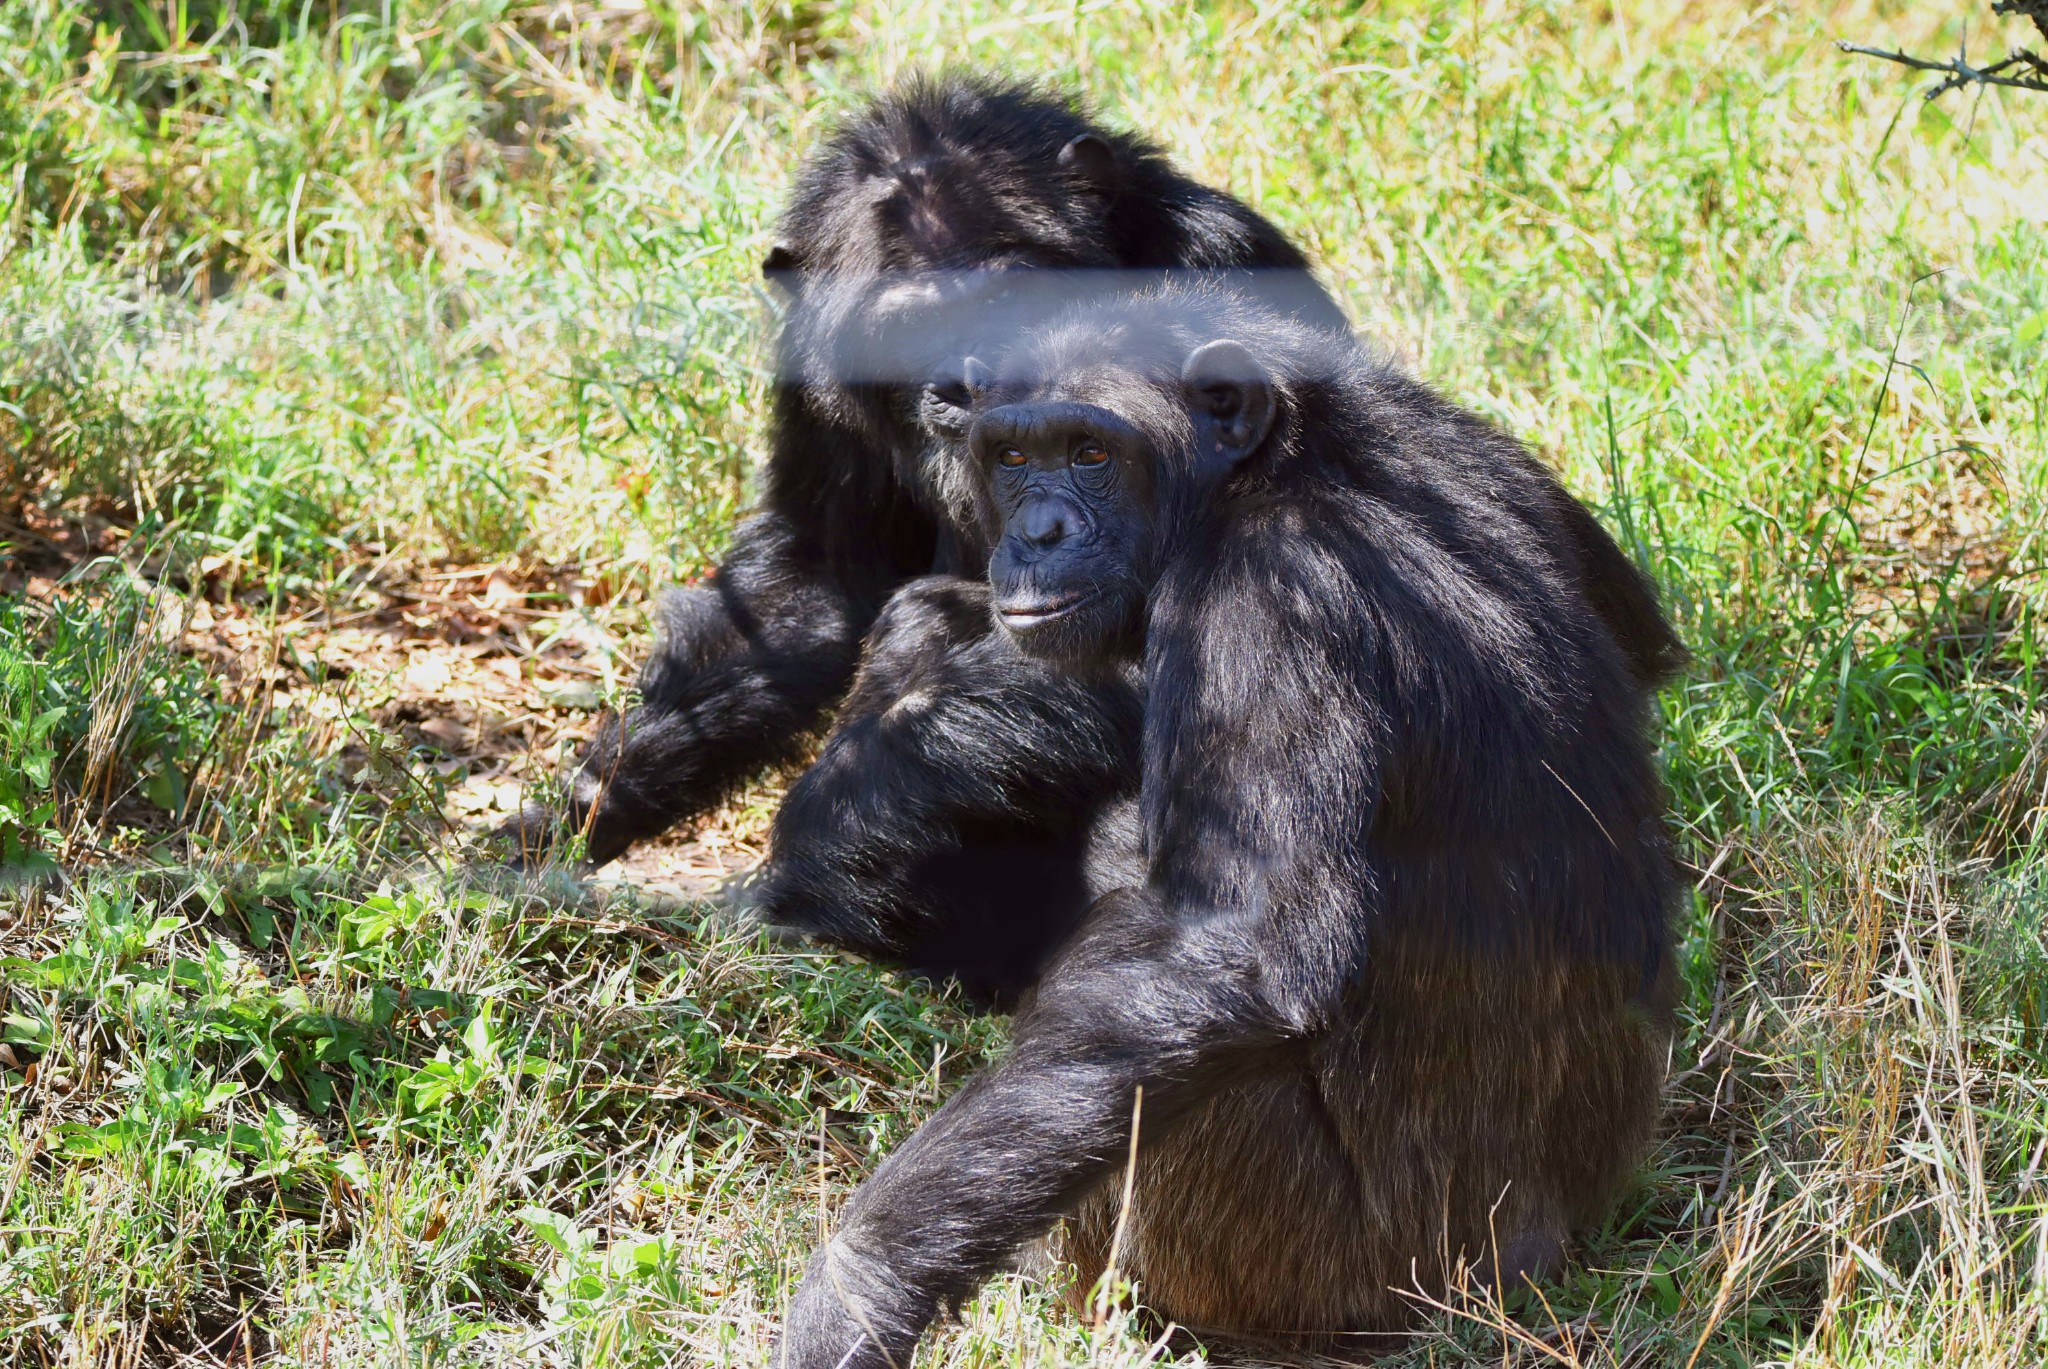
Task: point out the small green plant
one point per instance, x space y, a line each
28 754
95 708
607 1297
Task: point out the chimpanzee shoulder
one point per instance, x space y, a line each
1550 536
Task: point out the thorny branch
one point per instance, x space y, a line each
2032 71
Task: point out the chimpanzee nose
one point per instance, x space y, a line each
1046 523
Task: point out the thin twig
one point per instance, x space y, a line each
1104 1288
1960 72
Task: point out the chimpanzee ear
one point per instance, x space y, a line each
1094 161
1227 385
779 267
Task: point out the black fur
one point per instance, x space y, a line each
928 188
946 823
1393 970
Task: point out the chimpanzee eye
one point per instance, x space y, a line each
1010 456
1090 454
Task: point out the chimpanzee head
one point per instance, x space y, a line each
957 213
1097 451
904 231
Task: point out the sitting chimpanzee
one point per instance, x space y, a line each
1387 983
903 231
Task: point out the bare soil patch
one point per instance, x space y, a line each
493 676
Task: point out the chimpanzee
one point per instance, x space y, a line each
902 231
1386 985
905 232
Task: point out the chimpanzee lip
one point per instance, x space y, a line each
1042 611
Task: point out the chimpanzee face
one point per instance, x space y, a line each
1088 478
1072 484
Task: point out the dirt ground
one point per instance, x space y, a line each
487 679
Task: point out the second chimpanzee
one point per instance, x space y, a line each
1387 985
900 230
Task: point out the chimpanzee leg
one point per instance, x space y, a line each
1179 1007
746 665
948 822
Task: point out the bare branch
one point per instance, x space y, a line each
1960 72
2036 10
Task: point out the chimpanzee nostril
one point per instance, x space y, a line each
1044 524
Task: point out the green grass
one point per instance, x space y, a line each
308 310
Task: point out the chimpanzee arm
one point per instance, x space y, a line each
1140 1000
746 664
943 825
1261 764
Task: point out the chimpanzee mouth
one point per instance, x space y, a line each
1042 611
